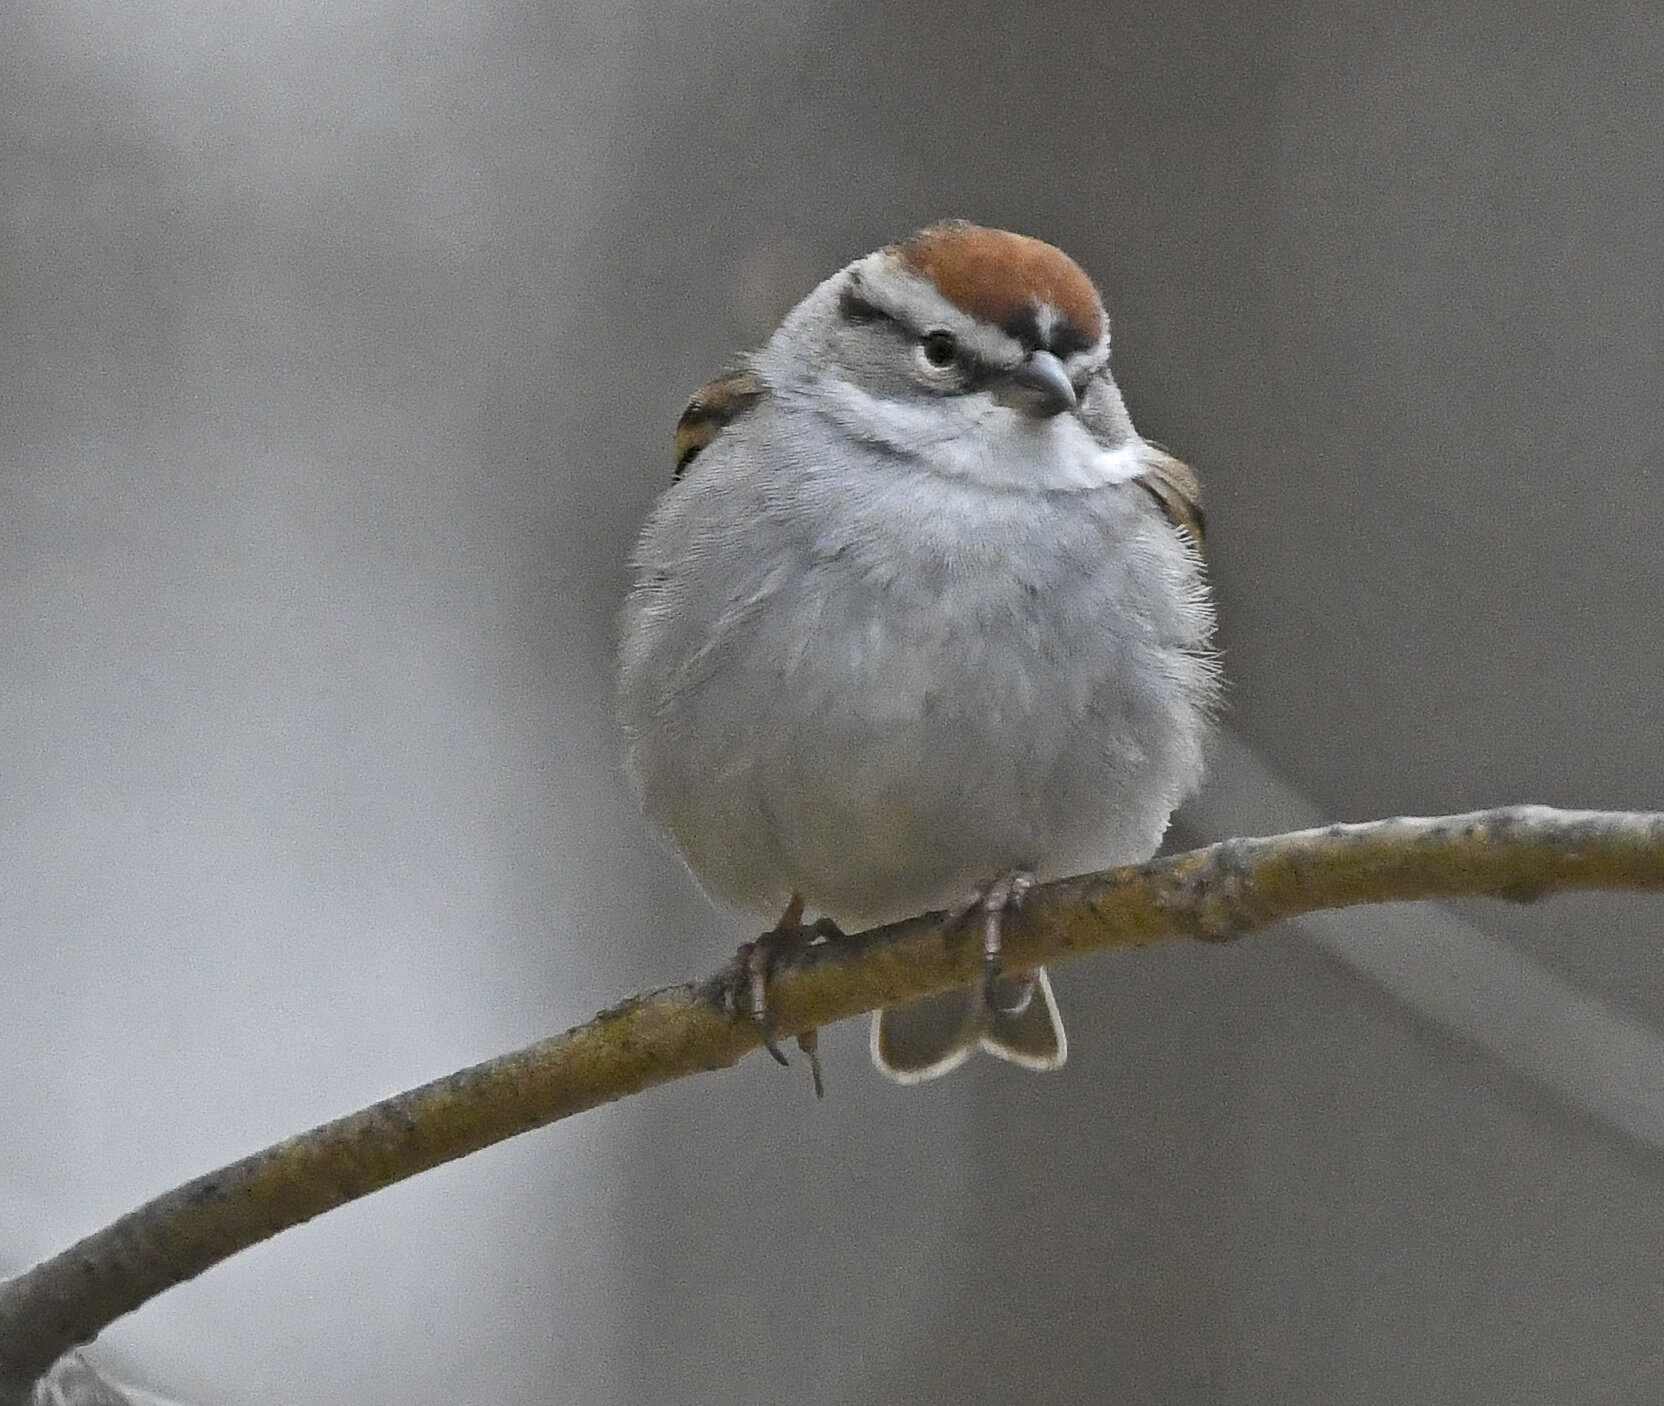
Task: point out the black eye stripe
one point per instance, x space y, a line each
1066 339
1023 326
855 307
859 310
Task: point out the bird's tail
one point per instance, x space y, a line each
1017 1020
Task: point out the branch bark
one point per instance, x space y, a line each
1223 891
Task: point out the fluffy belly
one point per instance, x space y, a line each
884 716
902 781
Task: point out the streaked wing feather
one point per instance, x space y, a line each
1178 492
712 410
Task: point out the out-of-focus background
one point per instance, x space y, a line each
341 346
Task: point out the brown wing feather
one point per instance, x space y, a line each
711 410
1178 491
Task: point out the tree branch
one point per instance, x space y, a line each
1223 891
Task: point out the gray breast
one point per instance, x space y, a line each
880 692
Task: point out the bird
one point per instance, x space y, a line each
920 621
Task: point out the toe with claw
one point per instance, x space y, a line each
755 960
1005 893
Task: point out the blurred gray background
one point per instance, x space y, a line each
341 347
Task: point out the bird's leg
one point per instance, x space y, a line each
754 961
1007 891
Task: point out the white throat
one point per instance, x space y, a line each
975 438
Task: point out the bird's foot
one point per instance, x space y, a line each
753 963
1006 892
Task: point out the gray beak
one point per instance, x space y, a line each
1041 387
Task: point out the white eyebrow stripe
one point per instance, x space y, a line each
916 303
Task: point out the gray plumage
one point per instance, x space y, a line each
855 669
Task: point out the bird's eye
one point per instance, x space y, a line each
940 349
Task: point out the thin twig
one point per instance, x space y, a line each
1520 853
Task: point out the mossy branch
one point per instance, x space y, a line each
1222 891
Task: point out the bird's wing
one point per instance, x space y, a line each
712 410
1177 491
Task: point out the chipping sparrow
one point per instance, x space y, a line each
922 616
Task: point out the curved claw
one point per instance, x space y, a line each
809 1043
757 957
753 963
